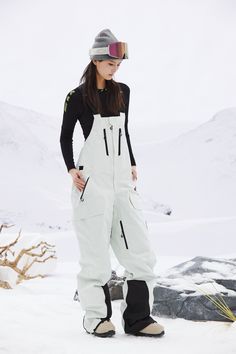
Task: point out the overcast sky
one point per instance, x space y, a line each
182 53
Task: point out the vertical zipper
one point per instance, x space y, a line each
105 138
113 154
123 234
119 141
81 197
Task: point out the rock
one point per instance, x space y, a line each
227 283
179 291
190 307
115 285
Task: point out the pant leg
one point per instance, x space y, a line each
131 245
91 222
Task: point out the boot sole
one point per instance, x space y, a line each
104 335
140 334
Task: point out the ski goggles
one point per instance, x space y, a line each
115 50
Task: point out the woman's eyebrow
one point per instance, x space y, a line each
115 62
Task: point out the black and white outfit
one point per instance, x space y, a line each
108 211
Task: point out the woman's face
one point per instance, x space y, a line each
107 68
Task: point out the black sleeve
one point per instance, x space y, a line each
70 116
132 159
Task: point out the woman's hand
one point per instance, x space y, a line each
78 178
134 173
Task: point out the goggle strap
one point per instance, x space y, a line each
94 51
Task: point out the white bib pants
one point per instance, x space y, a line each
108 211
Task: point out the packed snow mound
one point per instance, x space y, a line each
204 267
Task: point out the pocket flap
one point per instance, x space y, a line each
135 200
90 206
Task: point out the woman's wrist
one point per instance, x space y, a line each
71 169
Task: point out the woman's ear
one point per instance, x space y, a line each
94 61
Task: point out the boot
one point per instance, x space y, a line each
104 329
152 330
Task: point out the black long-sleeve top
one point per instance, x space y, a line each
74 110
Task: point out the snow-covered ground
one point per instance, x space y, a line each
193 173
40 316
188 167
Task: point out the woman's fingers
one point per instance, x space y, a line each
134 173
79 185
78 179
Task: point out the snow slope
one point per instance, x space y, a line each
33 179
194 173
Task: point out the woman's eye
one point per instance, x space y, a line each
111 64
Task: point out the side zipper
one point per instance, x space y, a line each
105 138
119 141
81 197
123 234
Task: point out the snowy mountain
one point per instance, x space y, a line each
193 173
33 180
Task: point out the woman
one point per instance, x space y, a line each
107 209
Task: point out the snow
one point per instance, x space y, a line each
43 312
188 167
201 196
196 179
194 172
195 236
40 316
205 277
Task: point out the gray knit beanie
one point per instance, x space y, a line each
102 39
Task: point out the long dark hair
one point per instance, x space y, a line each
114 96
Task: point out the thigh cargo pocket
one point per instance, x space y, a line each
137 203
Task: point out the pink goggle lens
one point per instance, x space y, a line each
118 50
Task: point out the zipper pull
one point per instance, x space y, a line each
81 197
111 127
